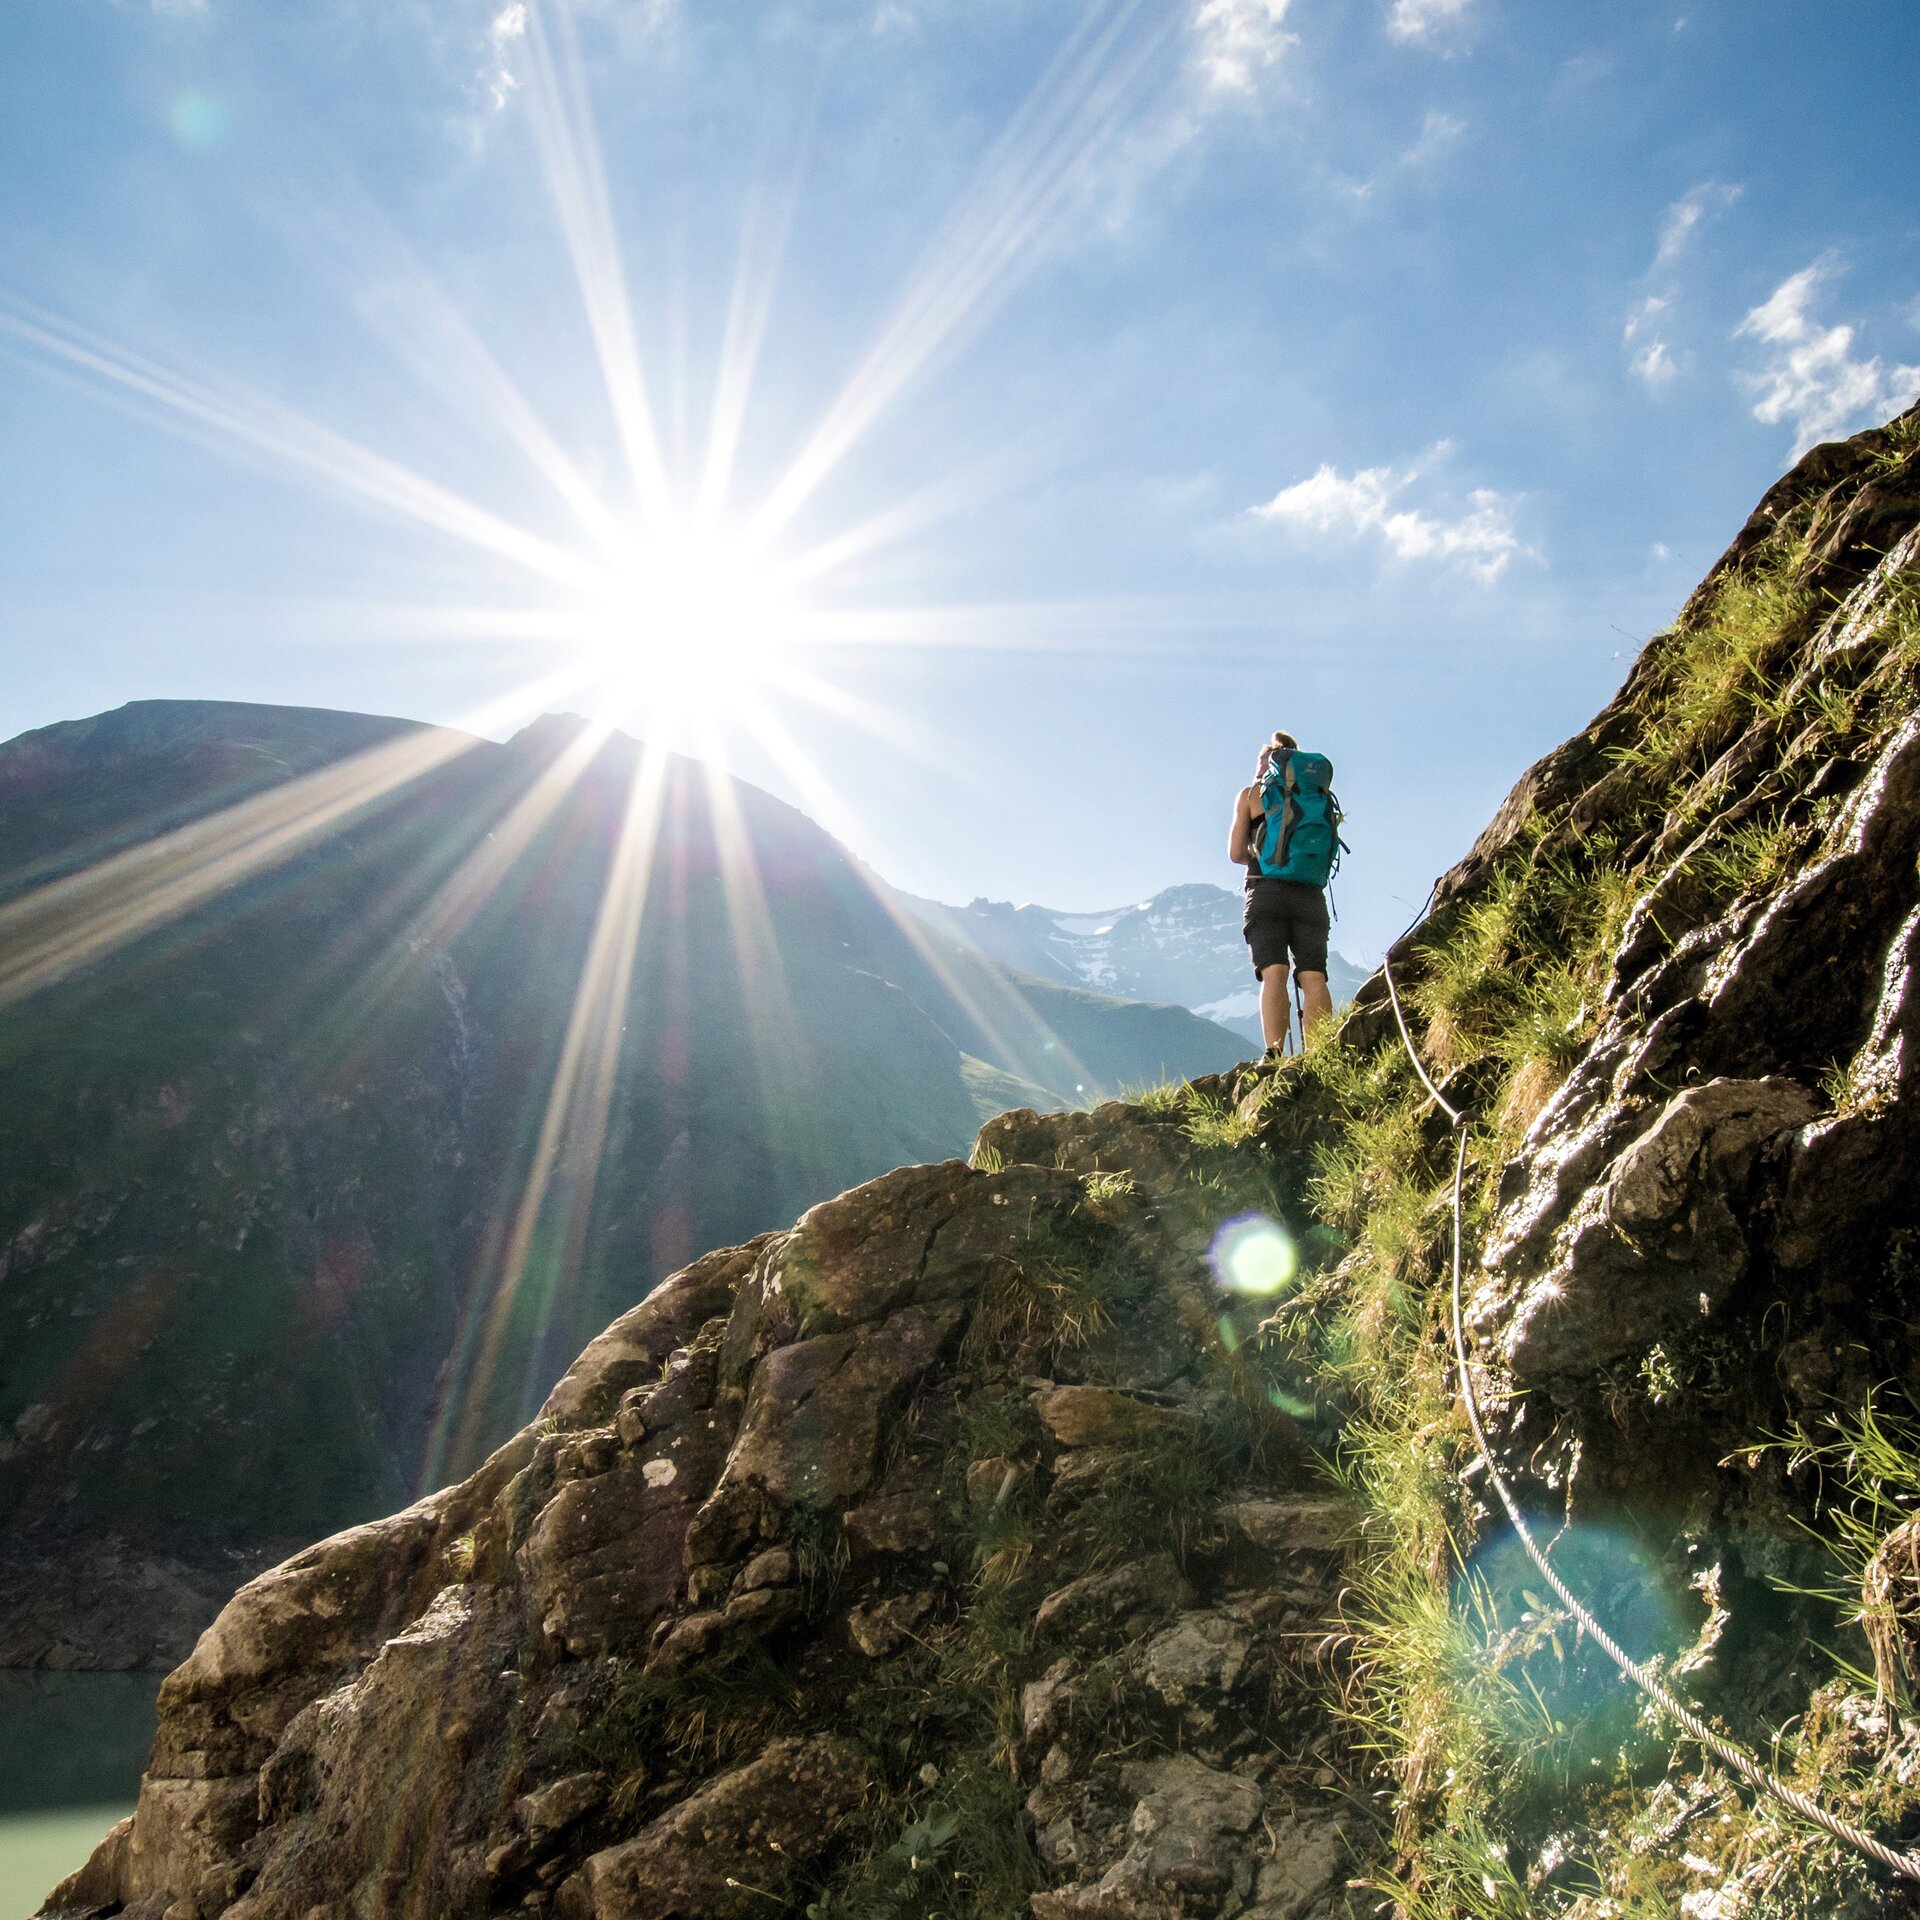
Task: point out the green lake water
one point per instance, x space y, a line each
71 1749
39 1850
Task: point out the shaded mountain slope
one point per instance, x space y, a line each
310 1191
960 1549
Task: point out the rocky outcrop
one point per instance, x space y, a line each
708 1635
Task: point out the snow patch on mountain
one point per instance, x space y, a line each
1182 946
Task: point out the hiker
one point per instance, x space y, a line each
1286 833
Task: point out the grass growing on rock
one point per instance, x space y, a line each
1468 1694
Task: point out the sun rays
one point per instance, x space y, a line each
672 610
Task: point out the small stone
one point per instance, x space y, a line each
707 1584
896 1523
1057 1767
929 1775
989 1481
881 1626
1041 1699
507 1859
630 1423
686 1641
557 1806
764 1609
774 1568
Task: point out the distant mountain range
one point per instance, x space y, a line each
353 1073
1184 945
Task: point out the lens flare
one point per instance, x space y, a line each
1254 1256
199 121
1562 1708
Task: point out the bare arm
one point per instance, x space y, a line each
1240 840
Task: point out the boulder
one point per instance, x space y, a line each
1663 1241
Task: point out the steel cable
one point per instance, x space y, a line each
1734 1756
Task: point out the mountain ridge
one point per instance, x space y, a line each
1183 944
265 1168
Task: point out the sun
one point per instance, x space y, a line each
688 627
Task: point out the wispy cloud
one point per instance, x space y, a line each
1424 19
1656 363
504 34
1481 539
1439 135
1686 214
1810 376
1239 41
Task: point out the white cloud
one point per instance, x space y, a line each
1423 19
1239 40
1481 539
1439 134
508 26
1686 213
1644 315
1810 375
1655 364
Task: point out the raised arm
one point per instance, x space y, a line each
1240 840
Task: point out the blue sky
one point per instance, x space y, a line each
1130 379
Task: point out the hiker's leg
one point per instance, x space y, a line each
1275 1015
1319 1002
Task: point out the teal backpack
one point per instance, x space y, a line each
1300 834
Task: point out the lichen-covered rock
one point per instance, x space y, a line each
725 1853
1185 1861
608 1674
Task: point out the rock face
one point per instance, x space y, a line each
911 1514
1699 1141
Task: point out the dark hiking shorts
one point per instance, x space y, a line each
1286 916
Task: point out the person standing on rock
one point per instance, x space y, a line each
1286 833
